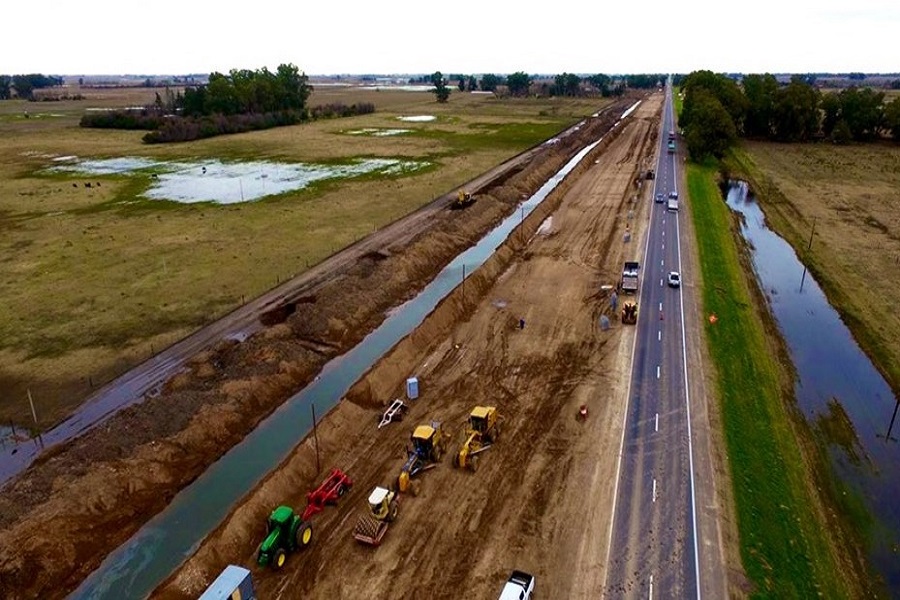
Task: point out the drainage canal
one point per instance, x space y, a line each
134 569
846 401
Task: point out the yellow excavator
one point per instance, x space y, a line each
482 430
462 200
428 446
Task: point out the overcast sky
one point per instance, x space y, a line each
63 37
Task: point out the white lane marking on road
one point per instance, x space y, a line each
657 371
687 404
660 282
654 489
656 427
662 263
664 246
664 234
651 587
659 336
660 307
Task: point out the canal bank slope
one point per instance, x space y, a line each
541 498
60 518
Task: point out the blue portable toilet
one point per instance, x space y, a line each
412 388
234 583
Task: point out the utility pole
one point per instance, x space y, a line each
887 438
808 248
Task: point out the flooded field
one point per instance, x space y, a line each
376 132
230 182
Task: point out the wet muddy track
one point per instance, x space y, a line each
120 474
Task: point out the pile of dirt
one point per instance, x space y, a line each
60 518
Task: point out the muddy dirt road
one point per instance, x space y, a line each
541 499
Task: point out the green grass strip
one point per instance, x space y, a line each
783 546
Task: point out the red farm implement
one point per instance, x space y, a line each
329 492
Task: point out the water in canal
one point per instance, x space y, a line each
843 397
143 562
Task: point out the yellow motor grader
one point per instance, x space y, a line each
482 430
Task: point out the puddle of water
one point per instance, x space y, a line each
377 132
143 562
400 88
230 183
838 389
418 118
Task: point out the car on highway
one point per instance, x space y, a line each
519 586
660 198
674 279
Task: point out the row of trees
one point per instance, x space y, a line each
717 110
243 91
520 84
243 100
24 85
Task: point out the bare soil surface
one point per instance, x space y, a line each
59 519
541 499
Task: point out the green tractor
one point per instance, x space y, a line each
287 532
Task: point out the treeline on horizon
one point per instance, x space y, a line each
243 100
521 83
718 109
24 85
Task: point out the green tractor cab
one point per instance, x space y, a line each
287 532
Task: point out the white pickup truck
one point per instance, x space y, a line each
519 586
672 204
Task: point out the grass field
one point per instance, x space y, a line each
850 193
96 279
784 541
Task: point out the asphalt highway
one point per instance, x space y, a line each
654 552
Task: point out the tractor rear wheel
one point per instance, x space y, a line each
303 535
280 559
392 515
473 463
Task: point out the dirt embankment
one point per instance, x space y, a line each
61 517
541 499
